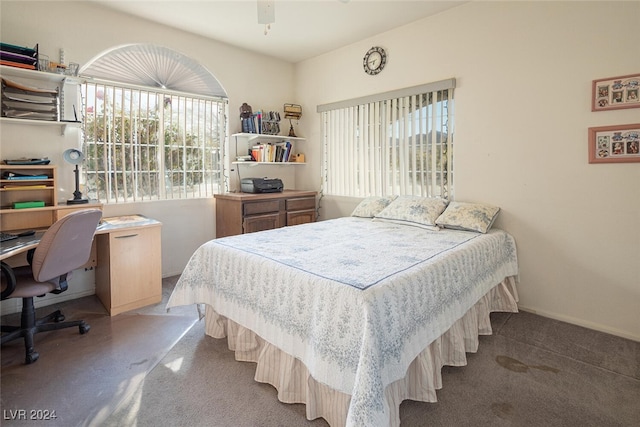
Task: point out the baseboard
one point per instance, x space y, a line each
583 323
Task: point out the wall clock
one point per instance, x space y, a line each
374 60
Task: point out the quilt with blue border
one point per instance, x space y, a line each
355 300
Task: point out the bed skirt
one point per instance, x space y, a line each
291 378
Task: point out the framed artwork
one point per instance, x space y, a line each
614 93
614 144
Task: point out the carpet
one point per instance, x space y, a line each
109 363
508 382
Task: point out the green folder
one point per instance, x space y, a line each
25 205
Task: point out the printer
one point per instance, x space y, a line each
261 185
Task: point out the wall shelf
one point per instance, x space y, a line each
30 122
51 78
246 140
250 137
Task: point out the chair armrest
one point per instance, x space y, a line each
10 280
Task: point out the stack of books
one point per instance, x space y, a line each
278 152
27 102
18 56
268 123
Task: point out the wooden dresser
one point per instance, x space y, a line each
239 213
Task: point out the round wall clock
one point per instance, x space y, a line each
374 60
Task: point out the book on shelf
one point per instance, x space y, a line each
278 152
24 187
30 204
21 176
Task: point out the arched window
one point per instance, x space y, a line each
154 126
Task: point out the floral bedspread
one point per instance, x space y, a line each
356 300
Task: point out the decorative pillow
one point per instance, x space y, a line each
413 210
371 206
468 216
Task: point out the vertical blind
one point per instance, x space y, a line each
395 143
145 144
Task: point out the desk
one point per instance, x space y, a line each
20 245
122 245
129 270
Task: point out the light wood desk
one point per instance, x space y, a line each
129 270
18 246
127 258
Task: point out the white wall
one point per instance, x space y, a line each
524 73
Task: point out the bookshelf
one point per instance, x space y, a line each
42 187
245 141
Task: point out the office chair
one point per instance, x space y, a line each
64 247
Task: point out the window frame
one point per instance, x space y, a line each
130 172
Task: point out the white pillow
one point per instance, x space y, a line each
468 216
369 207
413 210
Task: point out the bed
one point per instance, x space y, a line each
351 316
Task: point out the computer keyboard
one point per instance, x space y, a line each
7 236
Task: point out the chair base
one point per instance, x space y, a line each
29 326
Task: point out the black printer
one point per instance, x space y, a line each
261 185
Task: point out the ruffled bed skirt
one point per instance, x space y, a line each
294 384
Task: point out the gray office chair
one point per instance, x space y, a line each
64 247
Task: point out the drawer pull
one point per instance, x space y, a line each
128 235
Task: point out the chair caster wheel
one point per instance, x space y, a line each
59 318
84 329
31 358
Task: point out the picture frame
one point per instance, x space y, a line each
614 144
615 93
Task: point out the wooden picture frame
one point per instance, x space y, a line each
614 144
614 93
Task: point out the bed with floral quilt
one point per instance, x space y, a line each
351 316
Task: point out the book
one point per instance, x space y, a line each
26 205
20 176
23 187
278 152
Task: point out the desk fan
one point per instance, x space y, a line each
75 157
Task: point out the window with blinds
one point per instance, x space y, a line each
144 144
396 143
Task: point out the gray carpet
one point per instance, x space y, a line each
153 368
532 372
84 377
